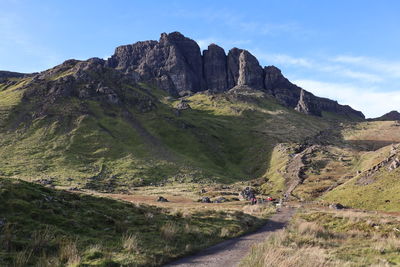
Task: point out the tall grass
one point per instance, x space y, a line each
169 231
330 240
130 242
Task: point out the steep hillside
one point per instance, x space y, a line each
46 227
375 185
155 111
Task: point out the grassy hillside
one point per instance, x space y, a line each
142 140
331 238
373 188
46 227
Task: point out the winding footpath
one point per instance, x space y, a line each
229 253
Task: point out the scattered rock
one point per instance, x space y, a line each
394 165
336 206
220 200
45 181
205 200
182 105
162 199
74 189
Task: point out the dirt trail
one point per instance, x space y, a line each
231 252
295 170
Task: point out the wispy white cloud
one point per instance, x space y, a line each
284 59
319 65
382 66
369 100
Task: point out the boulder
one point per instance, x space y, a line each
182 105
394 165
336 206
162 199
220 200
205 200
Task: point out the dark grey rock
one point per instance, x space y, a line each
182 105
336 206
215 70
174 63
205 200
233 66
162 199
220 200
250 71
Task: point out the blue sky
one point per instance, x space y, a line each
344 50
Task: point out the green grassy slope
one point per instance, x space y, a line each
222 138
376 192
46 227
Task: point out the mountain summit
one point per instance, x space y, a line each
176 65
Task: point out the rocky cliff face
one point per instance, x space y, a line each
175 64
215 69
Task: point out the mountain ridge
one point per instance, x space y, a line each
176 65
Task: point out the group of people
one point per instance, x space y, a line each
254 200
249 194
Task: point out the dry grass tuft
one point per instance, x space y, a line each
22 258
169 231
131 243
69 253
41 238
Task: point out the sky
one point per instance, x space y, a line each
347 50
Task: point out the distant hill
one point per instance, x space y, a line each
390 116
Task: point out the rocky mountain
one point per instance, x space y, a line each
176 65
155 111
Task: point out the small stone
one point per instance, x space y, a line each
162 199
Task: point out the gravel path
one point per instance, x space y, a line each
229 253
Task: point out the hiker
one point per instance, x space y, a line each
253 200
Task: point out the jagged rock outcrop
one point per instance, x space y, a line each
90 80
244 69
290 95
250 71
304 104
278 86
233 66
174 63
215 68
